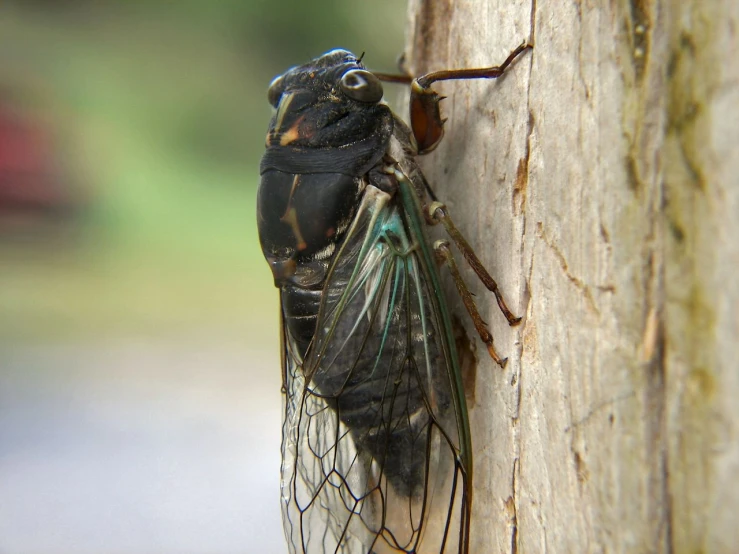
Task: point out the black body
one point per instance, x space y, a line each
323 149
376 443
321 145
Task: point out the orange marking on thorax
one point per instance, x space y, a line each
295 132
291 217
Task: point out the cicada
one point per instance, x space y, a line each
376 448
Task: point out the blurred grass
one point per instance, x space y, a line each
160 113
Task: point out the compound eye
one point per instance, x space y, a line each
361 85
276 88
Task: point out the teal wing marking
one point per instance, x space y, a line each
376 442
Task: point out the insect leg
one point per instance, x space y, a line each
424 82
444 254
401 78
438 213
426 121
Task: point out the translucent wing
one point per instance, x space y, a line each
375 438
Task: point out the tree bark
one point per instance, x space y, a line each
598 182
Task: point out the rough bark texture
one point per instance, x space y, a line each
598 181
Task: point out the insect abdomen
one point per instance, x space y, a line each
300 312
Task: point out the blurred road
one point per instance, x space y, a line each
140 446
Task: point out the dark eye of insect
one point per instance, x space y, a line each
275 90
362 86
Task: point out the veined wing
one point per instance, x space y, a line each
375 438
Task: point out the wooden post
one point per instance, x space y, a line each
598 180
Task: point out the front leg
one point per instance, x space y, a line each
426 121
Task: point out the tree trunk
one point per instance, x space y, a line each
598 182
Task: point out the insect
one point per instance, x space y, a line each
376 447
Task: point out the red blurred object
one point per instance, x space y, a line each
32 186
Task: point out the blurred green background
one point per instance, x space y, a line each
157 111
138 321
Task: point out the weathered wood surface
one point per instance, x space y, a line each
599 182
